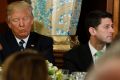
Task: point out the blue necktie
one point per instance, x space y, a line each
21 45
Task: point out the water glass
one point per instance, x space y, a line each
77 75
65 74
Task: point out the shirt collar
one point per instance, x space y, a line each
25 39
93 50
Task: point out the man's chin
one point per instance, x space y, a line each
23 36
109 41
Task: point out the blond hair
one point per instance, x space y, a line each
18 5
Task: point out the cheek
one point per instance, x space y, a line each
28 24
100 35
14 27
28 27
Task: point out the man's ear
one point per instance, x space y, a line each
9 25
92 31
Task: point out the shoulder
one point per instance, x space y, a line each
41 37
73 51
78 50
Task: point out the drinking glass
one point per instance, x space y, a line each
77 75
65 74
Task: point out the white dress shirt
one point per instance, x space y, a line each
93 50
25 39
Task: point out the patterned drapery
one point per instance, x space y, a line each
59 17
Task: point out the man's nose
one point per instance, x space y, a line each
112 30
21 23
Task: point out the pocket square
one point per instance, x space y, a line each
32 45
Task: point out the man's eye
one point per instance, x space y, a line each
15 20
107 27
26 18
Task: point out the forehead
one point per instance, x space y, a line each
106 20
20 13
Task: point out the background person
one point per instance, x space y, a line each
107 67
99 25
25 65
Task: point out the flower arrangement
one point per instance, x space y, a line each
54 72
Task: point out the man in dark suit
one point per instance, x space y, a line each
100 27
20 20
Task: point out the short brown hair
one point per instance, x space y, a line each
25 65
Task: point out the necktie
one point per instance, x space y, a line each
21 45
98 54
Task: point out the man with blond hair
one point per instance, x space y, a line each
19 36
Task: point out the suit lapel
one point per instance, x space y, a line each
87 56
11 41
89 53
31 41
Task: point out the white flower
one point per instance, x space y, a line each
54 72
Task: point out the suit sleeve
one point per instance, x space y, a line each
48 51
3 48
69 62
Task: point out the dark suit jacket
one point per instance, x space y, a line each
36 41
78 59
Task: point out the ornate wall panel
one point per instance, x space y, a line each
59 17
